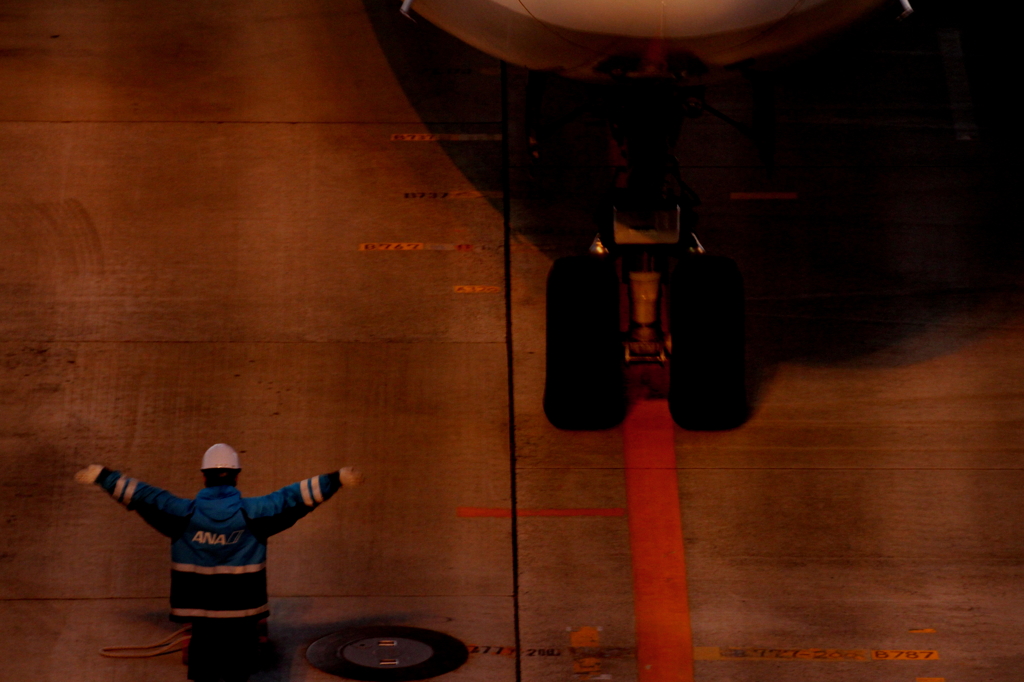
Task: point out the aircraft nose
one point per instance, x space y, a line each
660 18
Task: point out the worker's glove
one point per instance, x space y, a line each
89 474
350 477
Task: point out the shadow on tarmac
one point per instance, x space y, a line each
898 249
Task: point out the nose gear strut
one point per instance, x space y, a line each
664 269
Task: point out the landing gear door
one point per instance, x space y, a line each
657 226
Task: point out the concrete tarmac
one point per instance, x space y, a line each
186 196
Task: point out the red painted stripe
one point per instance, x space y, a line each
477 512
498 512
661 607
570 512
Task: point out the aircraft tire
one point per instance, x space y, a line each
708 387
584 387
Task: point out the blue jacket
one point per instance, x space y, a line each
219 539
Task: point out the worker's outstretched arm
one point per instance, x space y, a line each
278 511
167 513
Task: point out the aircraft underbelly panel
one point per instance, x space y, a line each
658 18
519 38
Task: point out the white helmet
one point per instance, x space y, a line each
220 456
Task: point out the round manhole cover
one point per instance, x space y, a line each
385 653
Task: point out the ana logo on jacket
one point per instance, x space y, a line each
204 537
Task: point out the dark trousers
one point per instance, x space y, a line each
223 649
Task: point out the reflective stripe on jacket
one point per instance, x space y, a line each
219 539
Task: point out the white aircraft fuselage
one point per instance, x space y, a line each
694 41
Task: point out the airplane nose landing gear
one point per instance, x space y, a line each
588 352
702 342
646 342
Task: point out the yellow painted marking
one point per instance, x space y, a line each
904 655
392 246
711 653
920 631
420 246
706 653
586 666
585 637
458 194
737 654
446 137
457 247
494 650
931 679
476 289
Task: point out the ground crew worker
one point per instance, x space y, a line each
218 552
